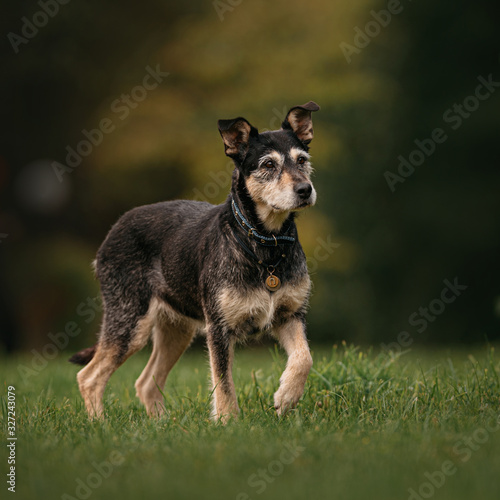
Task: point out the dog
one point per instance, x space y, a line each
172 269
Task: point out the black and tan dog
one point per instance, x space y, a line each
172 269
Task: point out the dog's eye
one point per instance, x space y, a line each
301 160
269 164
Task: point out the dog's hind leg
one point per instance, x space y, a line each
170 340
121 336
93 378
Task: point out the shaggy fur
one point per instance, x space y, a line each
172 269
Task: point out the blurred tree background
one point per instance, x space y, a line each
376 255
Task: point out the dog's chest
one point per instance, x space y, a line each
259 308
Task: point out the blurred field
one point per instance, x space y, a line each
369 426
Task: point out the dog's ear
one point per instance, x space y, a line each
236 134
299 121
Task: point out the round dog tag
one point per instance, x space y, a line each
273 283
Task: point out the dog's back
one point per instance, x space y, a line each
155 250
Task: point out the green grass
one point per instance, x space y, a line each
370 426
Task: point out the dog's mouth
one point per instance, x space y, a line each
304 204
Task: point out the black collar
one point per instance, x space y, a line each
267 241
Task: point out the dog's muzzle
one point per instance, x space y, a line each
305 193
303 190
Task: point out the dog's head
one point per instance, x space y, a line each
275 165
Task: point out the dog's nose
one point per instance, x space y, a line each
304 190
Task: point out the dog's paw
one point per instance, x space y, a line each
156 408
286 398
226 416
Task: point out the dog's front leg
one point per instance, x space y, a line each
221 351
292 337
